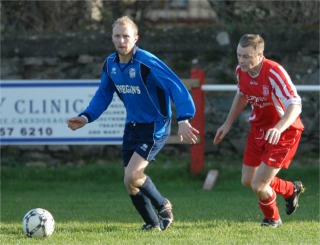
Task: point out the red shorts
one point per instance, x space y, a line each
279 156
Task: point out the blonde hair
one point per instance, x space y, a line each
126 20
253 40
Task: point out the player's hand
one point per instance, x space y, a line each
221 132
187 132
76 123
273 136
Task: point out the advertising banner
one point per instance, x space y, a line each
36 112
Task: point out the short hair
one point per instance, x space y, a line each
126 20
253 40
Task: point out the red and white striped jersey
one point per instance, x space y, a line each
269 93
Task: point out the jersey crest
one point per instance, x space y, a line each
265 90
132 72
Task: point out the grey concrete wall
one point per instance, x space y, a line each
80 56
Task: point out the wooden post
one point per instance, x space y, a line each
197 150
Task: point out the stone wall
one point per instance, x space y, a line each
80 56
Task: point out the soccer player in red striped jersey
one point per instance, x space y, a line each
275 129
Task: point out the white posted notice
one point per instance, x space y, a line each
36 112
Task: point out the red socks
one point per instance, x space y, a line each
269 208
282 187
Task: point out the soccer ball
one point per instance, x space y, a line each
38 223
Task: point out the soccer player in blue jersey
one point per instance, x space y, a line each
145 85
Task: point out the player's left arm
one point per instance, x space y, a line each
286 92
187 132
181 98
291 114
179 94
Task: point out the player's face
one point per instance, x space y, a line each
248 58
124 39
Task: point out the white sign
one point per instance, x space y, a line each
36 112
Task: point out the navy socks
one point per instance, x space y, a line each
150 190
145 209
147 198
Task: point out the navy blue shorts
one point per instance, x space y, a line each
146 139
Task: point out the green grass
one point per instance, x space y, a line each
90 206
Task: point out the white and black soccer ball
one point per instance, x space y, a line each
38 223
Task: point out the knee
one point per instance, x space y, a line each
246 182
132 180
129 181
258 188
254 184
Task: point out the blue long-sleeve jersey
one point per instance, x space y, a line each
145 85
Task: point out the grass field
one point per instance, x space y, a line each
90 205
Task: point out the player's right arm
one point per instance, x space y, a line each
101 100
98 104
238 105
